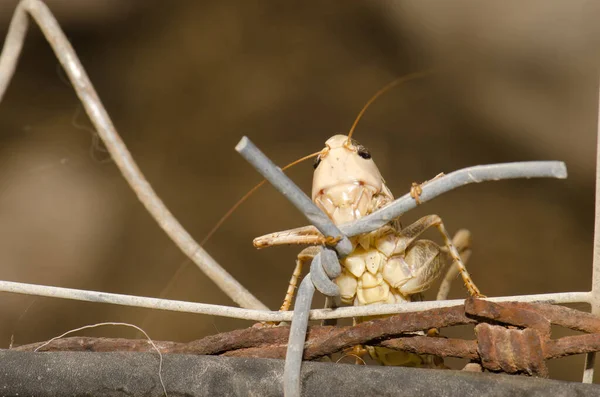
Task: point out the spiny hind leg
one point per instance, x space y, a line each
305 256
462 242
411 232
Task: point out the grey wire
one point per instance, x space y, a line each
443 184
327 263
266 315
295 348
331 265
292 192
106 130
322 266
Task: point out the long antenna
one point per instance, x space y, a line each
405 78
220 222
382 91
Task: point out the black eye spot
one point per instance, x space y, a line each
361 150
317 162
364 152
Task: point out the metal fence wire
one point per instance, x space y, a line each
325 266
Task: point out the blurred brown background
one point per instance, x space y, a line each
184 81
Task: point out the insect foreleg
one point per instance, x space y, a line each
305 235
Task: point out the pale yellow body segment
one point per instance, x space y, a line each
379 270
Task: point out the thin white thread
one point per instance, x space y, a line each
162 383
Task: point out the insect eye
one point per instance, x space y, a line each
364 153
317 162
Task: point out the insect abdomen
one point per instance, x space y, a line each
375 272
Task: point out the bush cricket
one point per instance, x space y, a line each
389 265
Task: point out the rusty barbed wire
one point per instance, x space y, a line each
511 337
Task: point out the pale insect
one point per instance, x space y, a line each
388 265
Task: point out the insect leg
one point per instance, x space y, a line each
305 256
306 235
462 242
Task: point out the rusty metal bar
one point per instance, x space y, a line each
510 337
